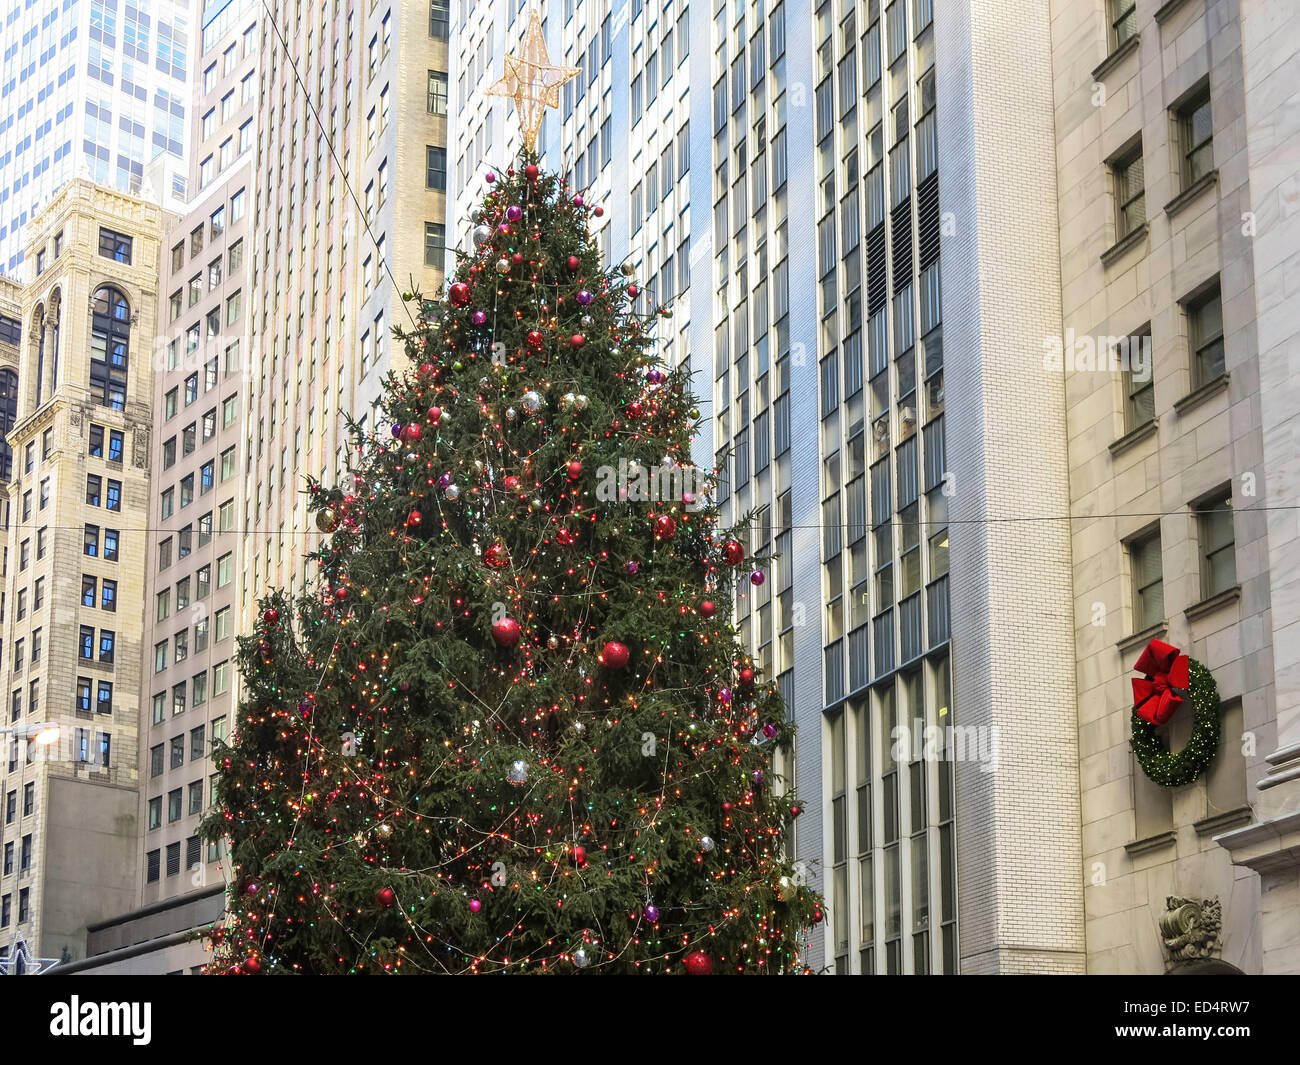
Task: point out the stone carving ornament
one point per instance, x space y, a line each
1190 928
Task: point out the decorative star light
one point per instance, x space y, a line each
21 963
532 81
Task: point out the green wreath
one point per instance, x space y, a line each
1174 770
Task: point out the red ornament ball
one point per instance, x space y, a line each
746 677
459 294
665 527
579 855
634 409
633 291
733 553
512 482
531 172
414 518
577 340
340 592
795 811
574 262
435 415
497 556
517 258
271 616
251 966
599 212
412 433
385 897
574 470
708 609
615 655
534 339
698 964
506 632
818 916
566 537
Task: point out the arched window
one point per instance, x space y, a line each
38 330
110 347
8 415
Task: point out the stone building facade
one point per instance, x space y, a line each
75 550
1172 397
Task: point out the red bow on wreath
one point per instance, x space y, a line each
1166 684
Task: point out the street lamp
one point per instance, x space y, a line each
42 734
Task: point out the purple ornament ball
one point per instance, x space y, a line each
444 480
475 905
769 730
757 577
304 707
397 429
632 567
480 317
724 696
577 201
652 913
585 297
514 213
489 177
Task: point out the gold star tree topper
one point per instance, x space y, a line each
532 81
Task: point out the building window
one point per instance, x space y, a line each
104 697
115 246
435 165
439 19
178 751
1148 581
1139 386
110 339
437 100
110 545
1205 334
1123 20
113 497
107 643
1197 138
153 863
1130 194
435 242
1218 545
155 813
108 595
173 857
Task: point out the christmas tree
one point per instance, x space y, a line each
512 729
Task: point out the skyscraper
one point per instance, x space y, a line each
349 209
78 498
947 505
93 89
200 378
